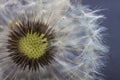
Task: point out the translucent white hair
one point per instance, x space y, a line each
78 39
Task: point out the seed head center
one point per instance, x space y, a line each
33 45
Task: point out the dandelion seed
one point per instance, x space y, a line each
50 40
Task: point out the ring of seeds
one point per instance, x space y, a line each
29 45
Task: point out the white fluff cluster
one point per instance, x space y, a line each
78 39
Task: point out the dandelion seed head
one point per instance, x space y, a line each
50 40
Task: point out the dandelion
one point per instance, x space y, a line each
50 40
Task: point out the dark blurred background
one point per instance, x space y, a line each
112 22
